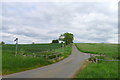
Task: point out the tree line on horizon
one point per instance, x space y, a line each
65 38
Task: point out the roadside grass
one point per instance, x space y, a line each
0 60
13 64
111 50
65 52
101 69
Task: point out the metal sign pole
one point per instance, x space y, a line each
16 51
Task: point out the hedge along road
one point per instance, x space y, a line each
63 69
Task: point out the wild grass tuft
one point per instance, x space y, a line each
101 69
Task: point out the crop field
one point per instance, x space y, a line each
22 62
101 69
29 48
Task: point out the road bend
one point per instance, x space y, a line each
62 69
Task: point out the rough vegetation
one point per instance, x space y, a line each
105 68
12 63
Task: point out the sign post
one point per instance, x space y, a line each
16 49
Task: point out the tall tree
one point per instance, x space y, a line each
55 41
2 42
67 38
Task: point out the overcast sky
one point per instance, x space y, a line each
42 22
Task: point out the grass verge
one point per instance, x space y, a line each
13 64
0 60
101 69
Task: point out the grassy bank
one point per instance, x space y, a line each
0 60
102 69
110 50
13 64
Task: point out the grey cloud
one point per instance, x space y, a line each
45 21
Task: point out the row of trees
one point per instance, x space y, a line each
55 41
66 38
2 42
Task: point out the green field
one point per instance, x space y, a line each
29 48
0 59
12 64
101 69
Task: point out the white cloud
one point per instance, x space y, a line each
42 22
60 1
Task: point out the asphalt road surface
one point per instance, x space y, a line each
63 69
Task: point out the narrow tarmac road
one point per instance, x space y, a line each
63 69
